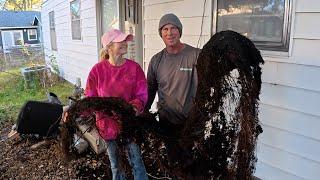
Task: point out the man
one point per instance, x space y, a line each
172 74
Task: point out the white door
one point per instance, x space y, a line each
7 39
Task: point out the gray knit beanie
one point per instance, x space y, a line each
170 19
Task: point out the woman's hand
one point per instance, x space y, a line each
137 113
65 113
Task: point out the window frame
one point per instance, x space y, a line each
120 8
74 20
52 27
13 40
31 39
282 47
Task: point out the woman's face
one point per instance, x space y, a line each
118 48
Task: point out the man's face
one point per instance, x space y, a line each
170 35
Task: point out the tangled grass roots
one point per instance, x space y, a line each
227 99
223 127
86 109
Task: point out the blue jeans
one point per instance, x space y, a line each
135 161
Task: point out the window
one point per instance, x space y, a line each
75 19
32 34
265 22
109 14
53 37
17 38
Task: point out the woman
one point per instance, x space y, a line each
115 76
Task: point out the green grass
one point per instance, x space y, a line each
13 94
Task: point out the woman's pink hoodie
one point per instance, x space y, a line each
126 81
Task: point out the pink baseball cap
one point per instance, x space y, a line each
115 35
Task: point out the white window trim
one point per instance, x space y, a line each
18 27
30 39
287 30
72 20
11 32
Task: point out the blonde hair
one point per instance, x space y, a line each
104 54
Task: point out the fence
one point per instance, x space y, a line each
21 56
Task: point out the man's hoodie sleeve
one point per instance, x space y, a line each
152 82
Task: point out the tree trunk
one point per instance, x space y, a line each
24 5
30 3
27 5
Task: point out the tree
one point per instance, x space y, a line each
20 5
2 2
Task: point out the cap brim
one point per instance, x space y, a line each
123 37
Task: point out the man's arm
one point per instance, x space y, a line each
152 84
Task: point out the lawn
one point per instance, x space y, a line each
13 93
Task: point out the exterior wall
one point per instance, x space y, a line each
290 144
75 57
190 14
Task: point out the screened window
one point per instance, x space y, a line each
53 37
32 34
75 19
265 22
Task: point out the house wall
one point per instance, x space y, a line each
75 57
290 144
190 14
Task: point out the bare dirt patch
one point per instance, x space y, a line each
19 161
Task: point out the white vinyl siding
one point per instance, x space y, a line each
75 58
190 14
290 144
289 112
